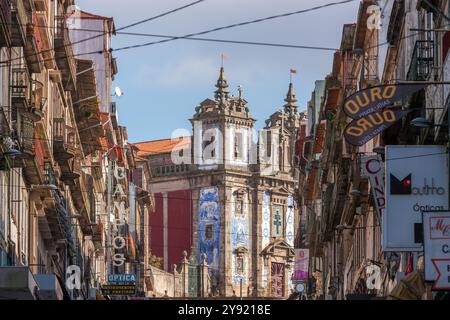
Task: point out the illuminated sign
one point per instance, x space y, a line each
362 130
370 100
121 278
119 290
119 241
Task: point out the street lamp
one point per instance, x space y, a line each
13 153
341 227
423 123
44 187
381 150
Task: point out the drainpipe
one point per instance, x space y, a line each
29 229
8 238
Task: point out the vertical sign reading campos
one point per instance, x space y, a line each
119 196
416 181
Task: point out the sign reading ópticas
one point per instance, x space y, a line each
370 100
416 181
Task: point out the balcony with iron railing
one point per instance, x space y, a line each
20 19
422 61
81 194
5 23
49 182
27 95
25 33
64 141
20 88
45 33
64 54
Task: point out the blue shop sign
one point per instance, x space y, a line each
121 278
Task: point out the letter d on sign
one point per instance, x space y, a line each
73 274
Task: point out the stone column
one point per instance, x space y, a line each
256 225
204 277
184 274
165 231
226 254
268 289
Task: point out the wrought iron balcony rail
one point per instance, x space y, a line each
20 83
64 133
422 61
49 174
6 19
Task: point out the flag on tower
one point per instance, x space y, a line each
224 57
293 71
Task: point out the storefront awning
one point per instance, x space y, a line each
412 287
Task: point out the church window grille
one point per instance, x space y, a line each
209 232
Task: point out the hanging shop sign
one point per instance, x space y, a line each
301 264
372 167
416 181
119 290
360 131
370 100
119 241
436 232
122 278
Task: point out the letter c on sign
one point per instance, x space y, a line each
373 166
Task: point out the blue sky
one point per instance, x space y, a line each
163 84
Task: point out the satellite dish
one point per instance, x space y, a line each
118 92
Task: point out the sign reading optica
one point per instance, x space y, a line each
121 278
416 181
436 231
360 131
370 100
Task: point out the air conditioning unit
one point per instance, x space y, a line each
92 294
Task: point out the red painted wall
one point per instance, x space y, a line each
180 225
156 227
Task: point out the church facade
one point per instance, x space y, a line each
226 193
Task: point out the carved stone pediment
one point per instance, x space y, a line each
240 251
281 190
279 248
